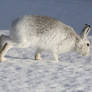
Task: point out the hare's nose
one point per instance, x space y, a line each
85 54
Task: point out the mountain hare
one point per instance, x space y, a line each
44 33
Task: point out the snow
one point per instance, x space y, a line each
21 73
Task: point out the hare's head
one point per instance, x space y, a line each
83 44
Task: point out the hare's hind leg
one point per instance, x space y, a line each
3 51
37 54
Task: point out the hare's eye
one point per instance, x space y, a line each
87 44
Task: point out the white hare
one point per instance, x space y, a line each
44 33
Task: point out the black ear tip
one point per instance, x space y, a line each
87 25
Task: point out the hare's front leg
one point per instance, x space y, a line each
37 54
3 51
55 57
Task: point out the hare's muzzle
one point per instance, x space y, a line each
85 54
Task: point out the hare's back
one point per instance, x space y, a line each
26 27
35 24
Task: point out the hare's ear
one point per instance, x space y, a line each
85 31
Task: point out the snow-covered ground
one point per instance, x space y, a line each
21 73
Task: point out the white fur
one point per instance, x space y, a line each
46 33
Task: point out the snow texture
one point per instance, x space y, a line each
21 73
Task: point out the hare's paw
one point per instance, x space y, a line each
55 57
2 59
38 57
55 61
